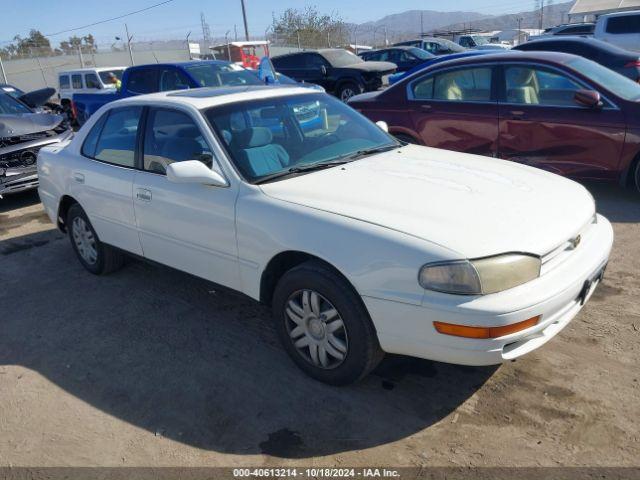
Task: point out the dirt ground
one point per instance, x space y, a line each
150 366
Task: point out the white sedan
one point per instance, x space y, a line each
360 244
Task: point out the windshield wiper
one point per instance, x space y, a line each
371 151
300 169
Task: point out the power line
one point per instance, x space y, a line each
109 19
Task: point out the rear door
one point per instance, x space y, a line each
456 109
542 125
103 181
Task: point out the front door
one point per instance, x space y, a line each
542 125
456 110
190 227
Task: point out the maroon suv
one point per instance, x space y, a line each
556 111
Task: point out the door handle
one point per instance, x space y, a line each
517 114
78 177
426 108
143 194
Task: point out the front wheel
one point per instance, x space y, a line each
348 90
324 326
94 255
636 177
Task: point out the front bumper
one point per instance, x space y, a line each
557 296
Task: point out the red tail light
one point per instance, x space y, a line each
74 111
634 63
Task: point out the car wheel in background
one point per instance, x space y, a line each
94 255
324 325
348 90
636 176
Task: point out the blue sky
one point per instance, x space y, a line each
174 20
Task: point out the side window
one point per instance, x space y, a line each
537 86
465 42
173 79
143 80
314 61
76 81
91 80
467 85
91 140
431 47
289 61
117 142
423 89
624 24
173 136
64 82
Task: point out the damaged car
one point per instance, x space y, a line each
22 133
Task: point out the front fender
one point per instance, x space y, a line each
379 262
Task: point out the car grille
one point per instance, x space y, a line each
20 159
11 141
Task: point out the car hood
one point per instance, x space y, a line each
26 123
476 206
373 66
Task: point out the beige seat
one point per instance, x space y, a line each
447 89
522 86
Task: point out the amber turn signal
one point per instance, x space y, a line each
484 332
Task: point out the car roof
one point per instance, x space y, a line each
557 57
90 70
619 14
184 64
392 47
593 42
214 96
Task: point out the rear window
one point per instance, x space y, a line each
143 80
624 24
64 82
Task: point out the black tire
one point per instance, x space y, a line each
635 181
405 138
348 90
363 352
107 258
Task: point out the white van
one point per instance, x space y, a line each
621 29
85 80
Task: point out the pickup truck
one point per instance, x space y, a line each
162 77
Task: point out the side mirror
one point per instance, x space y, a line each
588 98
194 171
383 126
324 70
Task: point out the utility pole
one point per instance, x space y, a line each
421 25
541 13
519 30
244 18
386 39
80 56
129 38
206 32
4 74
226 41
188 47
235 32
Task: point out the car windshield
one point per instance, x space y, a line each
104 76
421 54
216 75
278 137
621 86
11 106
448 44
12 91
480 40
341 58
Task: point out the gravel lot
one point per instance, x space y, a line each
150 366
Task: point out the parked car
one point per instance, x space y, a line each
405 58
359 244
478 42
37 100
85 80
442 58
22 133
555 111
436 46
624 62
338 71
162 77
621 29
581 28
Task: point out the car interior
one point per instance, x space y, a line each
530 86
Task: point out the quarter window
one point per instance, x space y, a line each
76 81
536 86
173 136
624 24
91 140
117 141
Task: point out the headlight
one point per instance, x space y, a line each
481 276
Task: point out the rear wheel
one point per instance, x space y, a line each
94 255
636 176
324 326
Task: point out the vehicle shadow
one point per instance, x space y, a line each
19 200
176 356
614 202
